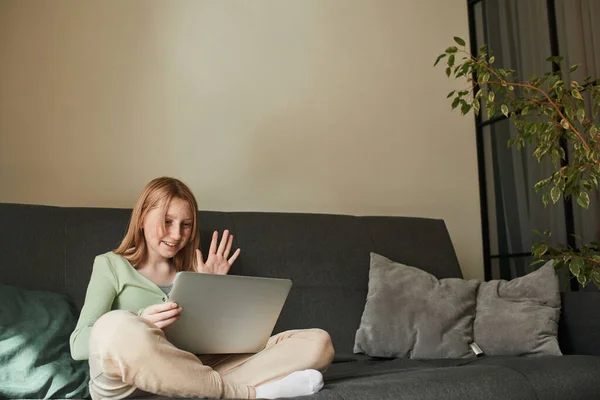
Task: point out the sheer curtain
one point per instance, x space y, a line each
579 42
517 33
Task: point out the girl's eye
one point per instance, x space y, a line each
187 225
167 222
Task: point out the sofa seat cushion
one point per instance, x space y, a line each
418 380
555 377
510 378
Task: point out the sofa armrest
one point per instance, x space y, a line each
579 326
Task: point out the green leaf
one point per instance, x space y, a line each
536 262
451 50
559 264
583 279
466 66
465 108
583 200
555 59
476 106
459 41
491 96
555 194
564 123
538 186
455 103
492 58
545 198
575 266
504 109
485 77
534 128
575 93
451 60
549 111
573 68
439 58
451 94
448 71
525 110
596 277
580 114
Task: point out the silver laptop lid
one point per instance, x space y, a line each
225 313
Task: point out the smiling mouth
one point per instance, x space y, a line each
169 244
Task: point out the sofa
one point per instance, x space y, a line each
50 249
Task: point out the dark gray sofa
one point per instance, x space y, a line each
327 257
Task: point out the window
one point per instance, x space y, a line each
521 35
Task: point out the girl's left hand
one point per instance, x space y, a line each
217 261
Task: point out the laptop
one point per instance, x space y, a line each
225 314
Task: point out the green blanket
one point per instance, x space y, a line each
35 361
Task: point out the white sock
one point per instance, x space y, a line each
299 383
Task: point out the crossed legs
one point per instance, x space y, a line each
128 354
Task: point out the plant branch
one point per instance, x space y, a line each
526 85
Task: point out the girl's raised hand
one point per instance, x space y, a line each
217 261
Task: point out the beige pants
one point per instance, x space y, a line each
129 356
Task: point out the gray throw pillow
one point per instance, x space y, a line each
519 317
410 313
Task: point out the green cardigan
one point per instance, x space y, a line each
114 285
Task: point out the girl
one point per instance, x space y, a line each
126 307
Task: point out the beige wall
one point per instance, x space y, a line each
326 106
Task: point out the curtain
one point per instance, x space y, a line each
579 42
517 34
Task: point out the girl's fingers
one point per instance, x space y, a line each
228 247
223 243
169 314
166 322
213 243
158 308
234 257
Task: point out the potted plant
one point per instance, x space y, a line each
546 112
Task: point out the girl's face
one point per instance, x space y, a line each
165 243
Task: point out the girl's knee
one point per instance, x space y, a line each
323 347
119 330
114 317
113 322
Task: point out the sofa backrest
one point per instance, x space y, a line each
326 256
